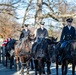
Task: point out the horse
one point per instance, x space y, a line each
9 52
72 49
23 52
64 56
56 55
41 55
69 56
60 58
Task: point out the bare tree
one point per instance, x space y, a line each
57 10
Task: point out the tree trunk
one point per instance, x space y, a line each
38 16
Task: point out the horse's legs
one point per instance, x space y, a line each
36 66
6 59
27 66
22 68
17 62
3 55
40 66
32 65
66 65
41 63
63 66
11 61
3 59
73 68
56 66
43 66
62 69
48 67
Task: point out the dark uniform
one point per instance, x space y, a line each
24 33
67 33
41 33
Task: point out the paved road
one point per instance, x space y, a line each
7 71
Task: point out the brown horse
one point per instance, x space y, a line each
23 52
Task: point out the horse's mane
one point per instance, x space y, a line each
42 45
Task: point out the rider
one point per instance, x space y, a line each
41 32
25 32
68 33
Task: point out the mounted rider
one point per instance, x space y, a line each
41 33
68 33
25 32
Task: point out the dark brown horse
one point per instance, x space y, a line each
69 56
23 52
41 53
73 54
39 56
56 55
64 56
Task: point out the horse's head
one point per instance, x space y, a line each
51 40
55 51
73 48
41 47
10 44
32 38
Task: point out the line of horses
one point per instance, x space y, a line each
46 51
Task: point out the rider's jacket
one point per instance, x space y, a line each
41 33
68 34
24 33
